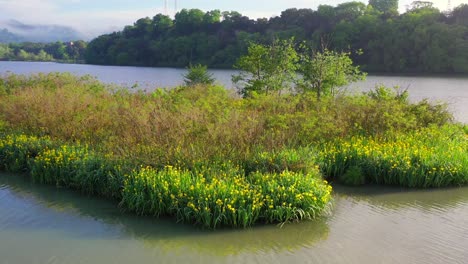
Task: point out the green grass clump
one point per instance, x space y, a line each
238 201
16 151
432 157
78 168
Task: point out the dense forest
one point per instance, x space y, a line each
57 51
421 40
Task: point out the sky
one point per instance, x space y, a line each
95 17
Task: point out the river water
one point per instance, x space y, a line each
43 224
452 90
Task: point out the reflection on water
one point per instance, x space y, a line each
367 225
29 208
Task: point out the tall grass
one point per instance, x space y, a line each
431 157
188 125
79 168
238 201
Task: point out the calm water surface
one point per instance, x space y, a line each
42 224
452 90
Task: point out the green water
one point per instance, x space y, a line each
42 224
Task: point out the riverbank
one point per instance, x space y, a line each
208 157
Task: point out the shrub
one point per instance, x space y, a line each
198 75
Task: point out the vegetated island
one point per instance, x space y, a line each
206 156
212 157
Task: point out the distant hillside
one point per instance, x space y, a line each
19 32
8 37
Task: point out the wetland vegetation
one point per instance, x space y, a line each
206 156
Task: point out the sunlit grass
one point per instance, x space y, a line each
238 201
431 157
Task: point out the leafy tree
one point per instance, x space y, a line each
23 55
459 15
385 6
350 11
423 39
198 74
421 4
5 51
267 68
161 24
323 72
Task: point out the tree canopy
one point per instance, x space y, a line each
421 40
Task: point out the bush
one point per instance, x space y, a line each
198 75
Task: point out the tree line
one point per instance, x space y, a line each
421 40
57 51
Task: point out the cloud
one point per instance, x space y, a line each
89 22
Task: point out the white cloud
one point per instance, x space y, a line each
89 22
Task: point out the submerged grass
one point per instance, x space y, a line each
206 156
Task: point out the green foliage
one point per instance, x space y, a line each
17 151
236 201
59 51
353 176
324 72
267 68
273 68
5 51
198 74
431 157
78 168
385 6
171 127
303 160
422 40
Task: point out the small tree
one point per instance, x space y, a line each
323 72
198 74
267 68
